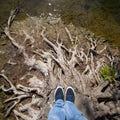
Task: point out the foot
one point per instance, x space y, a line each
59 93
70 94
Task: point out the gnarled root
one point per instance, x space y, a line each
55 59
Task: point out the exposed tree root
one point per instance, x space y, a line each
55 63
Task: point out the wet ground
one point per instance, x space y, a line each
100 16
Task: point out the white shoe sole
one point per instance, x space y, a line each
57 88
70 88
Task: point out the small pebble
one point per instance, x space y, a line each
49 4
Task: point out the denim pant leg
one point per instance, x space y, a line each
72 113
57 111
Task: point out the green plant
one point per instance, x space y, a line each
108 73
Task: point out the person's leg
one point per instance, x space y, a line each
57 111
72 113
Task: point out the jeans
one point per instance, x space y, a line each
65 111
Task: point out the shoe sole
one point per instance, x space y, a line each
70 88
57 88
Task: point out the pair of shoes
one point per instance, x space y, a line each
70 94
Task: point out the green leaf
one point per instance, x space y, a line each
108 73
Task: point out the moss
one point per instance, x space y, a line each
3 96
106 28
3 106
5 7
4 43
102 18
108 73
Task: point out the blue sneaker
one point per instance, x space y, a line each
70 94
59 93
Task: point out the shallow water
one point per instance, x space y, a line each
100 16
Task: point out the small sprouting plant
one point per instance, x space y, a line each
108 73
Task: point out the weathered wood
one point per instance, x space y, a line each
53 63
